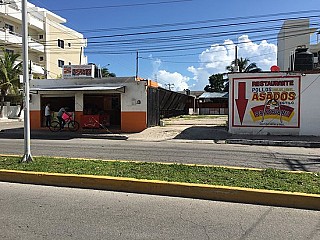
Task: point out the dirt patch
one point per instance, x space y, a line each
204 128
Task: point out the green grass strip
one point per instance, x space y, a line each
270 179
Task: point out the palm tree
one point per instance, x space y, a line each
243 66
105 73
252 68
9 75
242 63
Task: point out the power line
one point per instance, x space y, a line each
189 29
181 48
202 27
121 5
170 39
300 13
179 39
171 47
193 45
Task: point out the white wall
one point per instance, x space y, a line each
292 34
10 111
135 98
35 102
78 102
310 105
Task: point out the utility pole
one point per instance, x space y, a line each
236 64
137 65
27 151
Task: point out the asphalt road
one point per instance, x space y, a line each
43 212
289 158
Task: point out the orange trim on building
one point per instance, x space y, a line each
35 119
152 84
133 121
78 115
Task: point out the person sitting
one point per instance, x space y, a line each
60 118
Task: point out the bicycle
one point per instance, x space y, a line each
73 125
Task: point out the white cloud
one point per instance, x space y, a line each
156 65
177 81
217 57
263 54
214 60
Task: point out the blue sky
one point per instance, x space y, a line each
180 42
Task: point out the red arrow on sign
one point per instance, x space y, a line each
242 101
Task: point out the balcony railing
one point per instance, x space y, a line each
16 38
37 68
14 12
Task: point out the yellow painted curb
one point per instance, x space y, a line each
199 191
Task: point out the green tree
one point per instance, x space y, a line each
105 73
216 83
244 66
252 68
242 63
9 75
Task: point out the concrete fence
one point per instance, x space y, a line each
10 111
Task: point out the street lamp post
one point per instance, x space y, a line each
27 157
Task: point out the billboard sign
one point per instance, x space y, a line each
266 101
78 71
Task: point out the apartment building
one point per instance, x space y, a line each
294 34
51 43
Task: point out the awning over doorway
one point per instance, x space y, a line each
79 88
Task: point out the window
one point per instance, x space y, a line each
41 36
69 44
9 27
60 43
41 58
60 63
10 51
70 63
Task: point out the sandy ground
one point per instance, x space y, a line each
175 128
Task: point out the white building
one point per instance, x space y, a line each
51 44
123 102
295 33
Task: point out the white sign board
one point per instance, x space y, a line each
266 101
78 71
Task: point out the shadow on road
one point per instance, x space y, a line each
217 133
298 165
18 133
214 133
